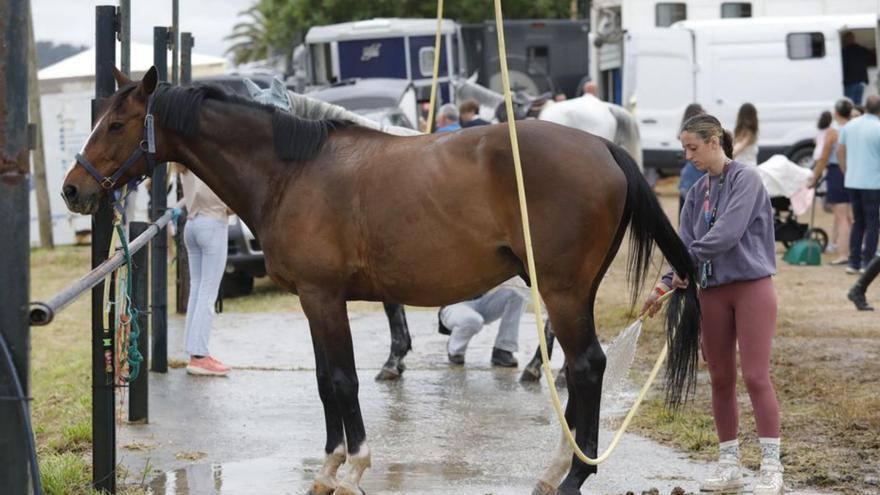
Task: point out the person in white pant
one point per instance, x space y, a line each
206 240
465 319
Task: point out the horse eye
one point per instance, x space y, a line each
115 126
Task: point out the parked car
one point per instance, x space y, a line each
387 101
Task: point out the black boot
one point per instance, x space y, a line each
857 295
503 358
440 326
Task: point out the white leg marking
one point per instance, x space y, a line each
325 481
559 464
357 464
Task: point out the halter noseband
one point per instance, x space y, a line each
147 147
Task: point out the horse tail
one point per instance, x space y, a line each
648 225
627 134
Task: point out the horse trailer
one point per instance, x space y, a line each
790 68
385 48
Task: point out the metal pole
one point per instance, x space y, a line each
174 41
159 245
14 244
182 286
124 36
103 392
138 389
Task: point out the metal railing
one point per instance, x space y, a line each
42 313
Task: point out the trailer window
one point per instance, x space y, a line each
322 70
805 45
426 61
736 9
538 60
668 13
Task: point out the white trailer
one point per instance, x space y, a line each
789 68
610 19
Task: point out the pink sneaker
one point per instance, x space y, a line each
206 366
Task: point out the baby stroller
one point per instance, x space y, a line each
787 228
782 179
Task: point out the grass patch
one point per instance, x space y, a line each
64 473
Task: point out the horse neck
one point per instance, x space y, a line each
234 154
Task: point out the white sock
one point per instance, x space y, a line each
729 450
769 450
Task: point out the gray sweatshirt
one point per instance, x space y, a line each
741 243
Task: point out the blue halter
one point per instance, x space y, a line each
147 148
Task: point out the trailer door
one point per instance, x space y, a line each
659 83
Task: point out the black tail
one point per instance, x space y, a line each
648 224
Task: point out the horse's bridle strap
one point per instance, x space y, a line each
147 147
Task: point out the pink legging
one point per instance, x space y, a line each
741 313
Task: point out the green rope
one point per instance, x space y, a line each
135 358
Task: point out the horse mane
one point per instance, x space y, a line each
179 108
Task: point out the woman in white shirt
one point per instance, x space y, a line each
745 135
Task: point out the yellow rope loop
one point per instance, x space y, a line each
536 300
436 74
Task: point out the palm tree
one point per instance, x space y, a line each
251 37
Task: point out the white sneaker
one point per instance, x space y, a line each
727 478
769 480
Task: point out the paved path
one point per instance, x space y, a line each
440 430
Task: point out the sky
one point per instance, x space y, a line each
73 21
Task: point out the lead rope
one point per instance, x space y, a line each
536 300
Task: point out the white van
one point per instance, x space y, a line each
790 68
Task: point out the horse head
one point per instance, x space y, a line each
120 149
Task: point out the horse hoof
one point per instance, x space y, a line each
347 489
543 488
530 375
561 383
321 487
388 374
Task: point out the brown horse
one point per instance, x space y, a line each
347 213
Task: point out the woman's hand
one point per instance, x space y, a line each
652 303
678 283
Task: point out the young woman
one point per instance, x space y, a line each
745 135
836 194
206 240
727 224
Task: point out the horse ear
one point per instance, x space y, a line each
252 87
149 82
121 79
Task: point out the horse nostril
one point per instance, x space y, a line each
69 191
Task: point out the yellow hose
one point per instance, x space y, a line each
436 74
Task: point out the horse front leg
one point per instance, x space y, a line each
328 321
334 450
532 371
401 343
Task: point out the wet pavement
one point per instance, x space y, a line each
439 430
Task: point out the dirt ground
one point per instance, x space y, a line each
826 365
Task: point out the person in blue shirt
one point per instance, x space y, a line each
447 118
858 155
689 173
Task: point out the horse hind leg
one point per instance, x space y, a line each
575 330
401 343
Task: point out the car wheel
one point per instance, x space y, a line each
803 156
236 284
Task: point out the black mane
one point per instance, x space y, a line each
179 107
